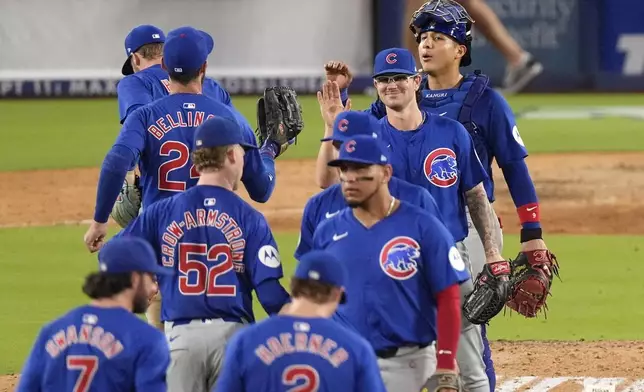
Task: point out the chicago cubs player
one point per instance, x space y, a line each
330 201
442 29
147 80
160 134
102 346
392 247
221 249
437 153
301 349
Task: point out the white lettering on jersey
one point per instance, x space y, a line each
301 342
269 256
632 45
92 335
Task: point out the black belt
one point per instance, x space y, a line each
391 352
178 322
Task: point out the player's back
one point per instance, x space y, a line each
288 353
169 125
99 349
209 235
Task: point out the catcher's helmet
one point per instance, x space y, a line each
447 17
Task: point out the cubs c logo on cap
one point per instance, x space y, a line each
343 125
391 58
350 146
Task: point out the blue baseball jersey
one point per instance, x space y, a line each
150 84
286 353
219 247
440 157
161 135
489 118
393 282
330 201
97 349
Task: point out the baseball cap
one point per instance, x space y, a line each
322 267
394 61
220 131
350 123
186 49
139 36
362 149
129 254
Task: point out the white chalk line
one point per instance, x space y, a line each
587 384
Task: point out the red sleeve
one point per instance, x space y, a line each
449 326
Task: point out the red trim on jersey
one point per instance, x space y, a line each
529 213
448 329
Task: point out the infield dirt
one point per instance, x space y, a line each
582 193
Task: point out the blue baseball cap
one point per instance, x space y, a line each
220 131
350 123
129 254
362 149
139 36
322 267
394 61
186 49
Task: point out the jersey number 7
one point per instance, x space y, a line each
205 275
88 365
167 167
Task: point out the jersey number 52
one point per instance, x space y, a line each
198 277
167 167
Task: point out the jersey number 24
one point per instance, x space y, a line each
167 167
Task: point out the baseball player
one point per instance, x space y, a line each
443 31
102 346
301 349
404 272
147 80
330 201
522 67
437 153
221 249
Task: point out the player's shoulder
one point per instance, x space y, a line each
414 213
443 122
325 195
335 222
404 187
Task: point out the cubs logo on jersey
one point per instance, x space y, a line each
441 168
398 258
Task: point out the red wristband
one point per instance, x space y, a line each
529 213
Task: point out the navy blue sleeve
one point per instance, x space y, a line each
272 296
305 242
502 133
121 158
132 93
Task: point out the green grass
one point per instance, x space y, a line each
43 269
74 133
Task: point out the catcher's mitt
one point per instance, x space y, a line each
279 118
532 274
440 380
492 289
128 203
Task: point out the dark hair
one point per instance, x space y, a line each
103 285
183 78
314 291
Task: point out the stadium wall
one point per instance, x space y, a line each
74 48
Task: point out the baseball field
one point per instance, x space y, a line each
587 161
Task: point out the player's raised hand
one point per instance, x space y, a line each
330 102
95 236
339 72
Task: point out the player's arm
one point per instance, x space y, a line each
132 94
230 377
444 270
30 379
152 364
473 174
369 378
510 153
307 228
121 157
264 265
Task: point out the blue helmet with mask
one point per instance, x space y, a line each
447 17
